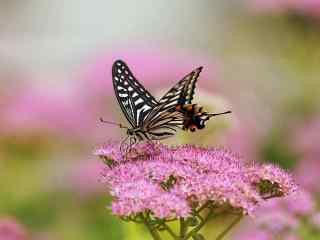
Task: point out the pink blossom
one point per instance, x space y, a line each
35 111
302 203
306 137
277 221
140 196
306 141
274 216
244 138
161 179
275 176
283 217
315 220
11 230
307 173
84 177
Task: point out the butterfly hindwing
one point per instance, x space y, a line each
164 116
181 93
135 101
163 124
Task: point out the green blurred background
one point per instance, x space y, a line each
55 82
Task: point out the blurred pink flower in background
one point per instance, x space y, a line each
307 137
302 204
245 139
10 229
282 217
84 178
40 111
303 7
316 220
306 141
32 111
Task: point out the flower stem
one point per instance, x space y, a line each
233 223
183 228
153 231
169 230
197 228
203 206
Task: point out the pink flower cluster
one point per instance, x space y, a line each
306 140
35 111
172 182
283 218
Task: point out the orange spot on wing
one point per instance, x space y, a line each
178 107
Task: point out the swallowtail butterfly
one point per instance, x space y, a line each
152 119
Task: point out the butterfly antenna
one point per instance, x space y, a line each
216 114
113 123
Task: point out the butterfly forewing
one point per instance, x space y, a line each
163 121
135 101
182 92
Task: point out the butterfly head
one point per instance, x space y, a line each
134 135
130 132
195 122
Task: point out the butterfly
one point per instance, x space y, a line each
152 119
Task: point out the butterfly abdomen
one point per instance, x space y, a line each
194 116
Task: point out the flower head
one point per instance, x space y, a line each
306 139
316 220
272 180
284 217
172 182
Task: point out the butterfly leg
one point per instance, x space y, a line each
123 145
132 141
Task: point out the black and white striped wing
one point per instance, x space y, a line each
135 101
182 92
163 121
164 124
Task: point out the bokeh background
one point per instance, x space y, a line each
261 60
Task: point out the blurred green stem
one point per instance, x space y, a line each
153 231
198 228
184 225
227 230
169 230
183 228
